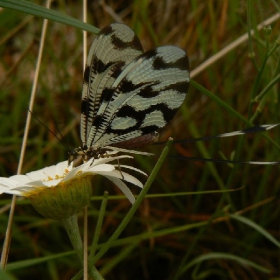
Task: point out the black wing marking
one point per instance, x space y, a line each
143 98
113 48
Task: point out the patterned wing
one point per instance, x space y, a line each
143 98
113 48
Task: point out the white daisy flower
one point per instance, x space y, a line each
60 191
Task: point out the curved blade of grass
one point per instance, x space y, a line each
123 254
228 108
225 256
255 226
39 11
267 88
219 101
30 262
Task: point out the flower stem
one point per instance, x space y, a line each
85 251
71 226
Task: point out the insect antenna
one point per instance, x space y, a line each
254 129
60 139
225 160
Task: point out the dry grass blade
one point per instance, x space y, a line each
6 245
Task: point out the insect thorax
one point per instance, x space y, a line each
81 155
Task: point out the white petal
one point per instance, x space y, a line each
100 167
52 183
8 183
132 168
122 175
9 191
23 189
123 187
72 173
61 166
87 168
106 173
108 159
41 184
48 172
20 178
37 175
131 179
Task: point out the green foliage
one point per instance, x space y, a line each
199 220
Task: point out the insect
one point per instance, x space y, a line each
128 94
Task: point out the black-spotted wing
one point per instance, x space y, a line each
128 94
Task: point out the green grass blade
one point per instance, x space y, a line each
255 226
39 11
225 256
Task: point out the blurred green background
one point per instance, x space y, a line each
187 233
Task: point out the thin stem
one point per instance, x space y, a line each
85 253
7 241
250 33
85 209
71 226
135 206
84 34
98 226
